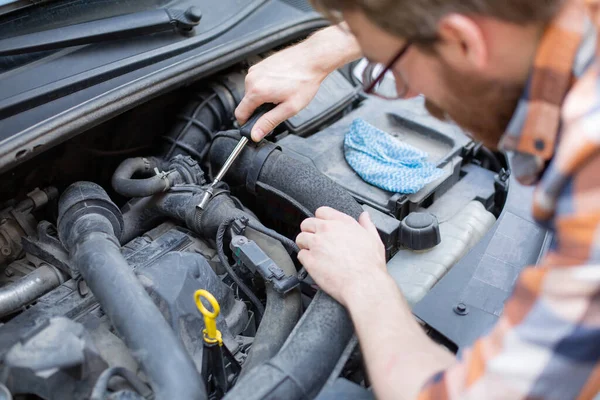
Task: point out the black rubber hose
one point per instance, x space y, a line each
302 366
298 180
89 225
125 185
18 294
282 311
140 215
194 127
100 389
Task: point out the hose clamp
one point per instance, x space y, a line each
164 176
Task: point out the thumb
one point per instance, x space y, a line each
270 120
365 221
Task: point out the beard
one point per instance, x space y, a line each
482 107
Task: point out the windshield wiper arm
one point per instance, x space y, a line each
122 26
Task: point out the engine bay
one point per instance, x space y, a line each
103 245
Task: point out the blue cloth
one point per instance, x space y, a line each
385 162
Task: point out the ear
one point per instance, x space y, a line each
462 43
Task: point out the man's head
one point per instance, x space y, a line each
469 58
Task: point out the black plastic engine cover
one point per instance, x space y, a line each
406 120
172 280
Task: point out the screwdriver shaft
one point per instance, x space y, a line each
230 160
228 163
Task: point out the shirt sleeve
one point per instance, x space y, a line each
546 344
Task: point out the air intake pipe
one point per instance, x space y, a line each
266 166
89 226
210 111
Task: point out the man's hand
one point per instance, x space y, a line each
291 77
338 252
347 260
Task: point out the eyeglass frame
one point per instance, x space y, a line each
386 69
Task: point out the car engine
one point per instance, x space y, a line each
103 246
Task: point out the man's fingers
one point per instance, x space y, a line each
329 213
305 240
365 221
305 257
310 225
270 120
246 107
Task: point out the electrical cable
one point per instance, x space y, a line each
289 244
260 309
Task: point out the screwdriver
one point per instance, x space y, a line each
245 131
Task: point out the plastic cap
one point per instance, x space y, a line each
419 231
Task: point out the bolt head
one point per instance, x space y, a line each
240 240
461 309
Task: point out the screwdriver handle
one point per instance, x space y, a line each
246 129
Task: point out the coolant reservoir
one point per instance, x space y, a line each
416 272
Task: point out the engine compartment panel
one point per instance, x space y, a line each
405 120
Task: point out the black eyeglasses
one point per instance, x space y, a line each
374 83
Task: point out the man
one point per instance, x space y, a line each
519 75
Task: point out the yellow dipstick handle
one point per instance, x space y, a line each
211 333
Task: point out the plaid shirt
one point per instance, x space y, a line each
546 345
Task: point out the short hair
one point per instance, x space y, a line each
417 20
